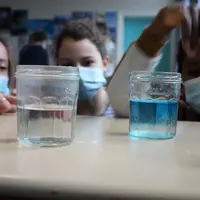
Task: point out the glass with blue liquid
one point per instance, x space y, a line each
154 98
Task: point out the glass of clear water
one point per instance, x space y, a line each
154 98
46 104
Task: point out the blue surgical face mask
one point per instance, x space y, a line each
192 93
91 80
4 85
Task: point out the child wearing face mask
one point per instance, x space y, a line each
81 44
7 102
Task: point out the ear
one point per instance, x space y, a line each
106 61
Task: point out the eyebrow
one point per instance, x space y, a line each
62 58
87 57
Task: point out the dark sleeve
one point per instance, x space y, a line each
21 55
180 57
46 58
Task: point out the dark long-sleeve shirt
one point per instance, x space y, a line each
33 55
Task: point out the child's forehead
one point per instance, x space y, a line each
82 47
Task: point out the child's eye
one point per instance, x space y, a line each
88 63
2 68
68 64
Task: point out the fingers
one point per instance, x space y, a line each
11 99
185 33
174 15
185 26
167 19
12 109
194 27
5 106
191 30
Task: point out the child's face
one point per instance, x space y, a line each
80 53
3 60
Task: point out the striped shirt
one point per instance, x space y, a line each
109 112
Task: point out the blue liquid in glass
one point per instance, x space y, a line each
153 119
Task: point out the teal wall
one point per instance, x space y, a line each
133 27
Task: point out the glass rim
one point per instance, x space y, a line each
155 73
47 71
157 76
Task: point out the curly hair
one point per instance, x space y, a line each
10 65
102 26
78 30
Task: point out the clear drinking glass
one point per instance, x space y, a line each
154 98
46 104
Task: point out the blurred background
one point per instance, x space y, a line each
125 21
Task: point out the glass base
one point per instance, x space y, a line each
45 142
142 135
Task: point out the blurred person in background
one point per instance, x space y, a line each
35 53
7 102
188 60
110 47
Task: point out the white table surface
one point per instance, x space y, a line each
104 160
